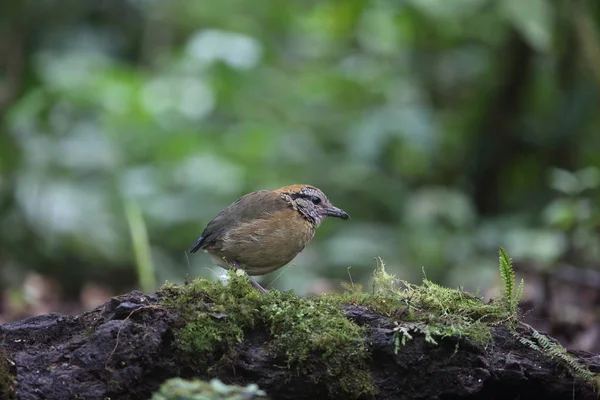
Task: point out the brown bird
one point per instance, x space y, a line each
264 230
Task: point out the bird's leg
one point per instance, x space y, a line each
254 284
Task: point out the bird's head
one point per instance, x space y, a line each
311 203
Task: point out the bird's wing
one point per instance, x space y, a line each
252 206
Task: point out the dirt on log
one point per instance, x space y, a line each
124 350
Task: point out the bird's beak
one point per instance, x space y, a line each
336 212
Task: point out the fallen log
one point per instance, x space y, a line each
368 346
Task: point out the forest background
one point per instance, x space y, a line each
445 129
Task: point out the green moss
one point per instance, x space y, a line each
307 327
7 381
180 389
215 316
431 309
313 336
309 335
436 312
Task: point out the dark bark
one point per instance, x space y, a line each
123 350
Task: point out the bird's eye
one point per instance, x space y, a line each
315 200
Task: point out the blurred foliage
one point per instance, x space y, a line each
445 129
179 389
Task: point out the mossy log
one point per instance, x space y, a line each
126 348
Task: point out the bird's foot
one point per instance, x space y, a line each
254 284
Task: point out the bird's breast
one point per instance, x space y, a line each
268 243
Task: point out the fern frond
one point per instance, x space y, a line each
519 292
527 342
555 351
508 277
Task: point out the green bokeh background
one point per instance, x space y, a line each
446 129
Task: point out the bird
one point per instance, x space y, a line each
264 230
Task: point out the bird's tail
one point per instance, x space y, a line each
197 245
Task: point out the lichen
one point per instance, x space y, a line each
311 336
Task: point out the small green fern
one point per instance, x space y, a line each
526 342
555 351
537 341
511 297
